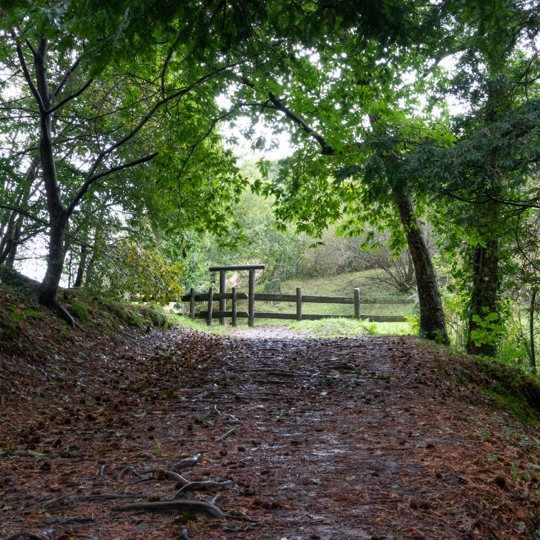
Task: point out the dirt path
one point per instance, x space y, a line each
266 332
321 439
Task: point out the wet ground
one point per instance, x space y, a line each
366 438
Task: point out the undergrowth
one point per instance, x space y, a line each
518 391
22 317
509 385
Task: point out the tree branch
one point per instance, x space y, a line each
24 213
180 92
518 204
28 78
72 96
66 77
205 135
91 179
327 150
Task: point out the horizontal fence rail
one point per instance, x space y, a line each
297 299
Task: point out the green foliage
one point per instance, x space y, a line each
488 330
80 310
131 271
414 323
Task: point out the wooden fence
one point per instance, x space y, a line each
297 298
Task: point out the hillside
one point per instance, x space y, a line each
108 427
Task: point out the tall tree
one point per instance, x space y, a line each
94 122
354 115
497 66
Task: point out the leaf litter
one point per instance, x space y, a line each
180 434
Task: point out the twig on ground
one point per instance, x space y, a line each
70 521
187 463
101 473
90 498
228 434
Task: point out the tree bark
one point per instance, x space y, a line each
531 331
82 266
58 216
484 298
432 320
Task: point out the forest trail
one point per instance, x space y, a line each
366 438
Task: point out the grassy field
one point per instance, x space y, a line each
371 288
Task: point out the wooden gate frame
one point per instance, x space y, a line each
223 289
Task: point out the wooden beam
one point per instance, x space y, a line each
222 290
238 267
217 296
210 306
234 308
357 303
192 303
242 314
251 297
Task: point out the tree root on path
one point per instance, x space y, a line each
168 506
201 486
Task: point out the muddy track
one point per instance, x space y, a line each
364 438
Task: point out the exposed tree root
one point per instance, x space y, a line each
187 463
167 506
13 278
201 486
62 311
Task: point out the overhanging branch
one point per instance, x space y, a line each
327 149
91 179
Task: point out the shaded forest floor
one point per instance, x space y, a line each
366 438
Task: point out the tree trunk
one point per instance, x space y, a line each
13 243
484 300
8 245
58 216
55 262
82 267
531 331
432 321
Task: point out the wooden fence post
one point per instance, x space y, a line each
234 307
210 302
222 290
356 303
251 298
298 303
192 303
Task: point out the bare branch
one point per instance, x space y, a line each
28 78
91 179
72 96
24 213
66 77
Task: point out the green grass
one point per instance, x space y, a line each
327 328
343 285
201 326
